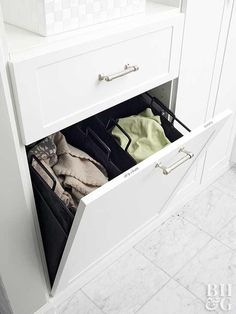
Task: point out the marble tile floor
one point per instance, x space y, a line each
168 271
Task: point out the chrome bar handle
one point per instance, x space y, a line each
128 69
169 169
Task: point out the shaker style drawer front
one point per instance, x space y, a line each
128 202
58 89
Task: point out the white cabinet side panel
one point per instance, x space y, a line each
202 28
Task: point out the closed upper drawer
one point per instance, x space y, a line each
57 89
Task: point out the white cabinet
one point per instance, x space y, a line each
218 154
201 35
56 84
205 34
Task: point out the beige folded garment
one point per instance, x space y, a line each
73 169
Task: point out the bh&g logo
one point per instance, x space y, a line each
218 296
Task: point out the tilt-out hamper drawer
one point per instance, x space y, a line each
109 215
57 89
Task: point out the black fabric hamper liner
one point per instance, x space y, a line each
55 221
134 106
93 136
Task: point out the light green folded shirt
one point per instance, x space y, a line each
146 133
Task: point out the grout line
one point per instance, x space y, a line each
133 248
199 250
198 227
149 299
229 222
94 303
156 266
169 278
183 266
226 225
192 293
172 277
214 237
228 247
193 257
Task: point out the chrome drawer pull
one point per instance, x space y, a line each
128 69
168 170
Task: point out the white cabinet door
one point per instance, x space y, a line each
201 34
218 154
204 20
119 208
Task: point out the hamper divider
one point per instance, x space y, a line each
115 123
78 136
91 133
33 157
156 101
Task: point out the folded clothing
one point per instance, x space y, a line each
75 172
146 133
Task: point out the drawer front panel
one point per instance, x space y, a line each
57 90
121 207
77 78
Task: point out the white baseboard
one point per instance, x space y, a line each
122 248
